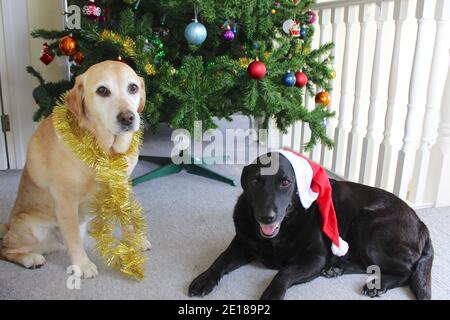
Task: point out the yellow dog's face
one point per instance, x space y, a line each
109 94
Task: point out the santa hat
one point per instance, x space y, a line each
313 184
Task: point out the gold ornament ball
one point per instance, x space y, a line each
323 98
273 11
68 45
332 74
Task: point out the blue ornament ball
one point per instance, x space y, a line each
302 32
289 79
195 33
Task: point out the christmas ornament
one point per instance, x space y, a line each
257 70
150 69
78 57
289 79
244 62
312 17
273 11
302 33
104 17
68 45
228 34
313 185
91 10
323 98
130 2
300 79
276 4
46 55
114 204
195 33
295 29
332 74
287 25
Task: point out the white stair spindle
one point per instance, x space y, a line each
417 95
336 19
297 136
324 23
306 131
371 141
436 84
340 138
438 185
386 154
355 136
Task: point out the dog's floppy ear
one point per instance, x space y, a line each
74 99
143 96
244 176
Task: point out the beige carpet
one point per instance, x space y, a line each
190 224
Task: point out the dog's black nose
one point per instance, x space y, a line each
269 218
125 118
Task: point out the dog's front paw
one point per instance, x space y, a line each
33 261
273 294
146 246
85 270
203 285
332 272
373 292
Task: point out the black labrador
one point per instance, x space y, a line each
381 230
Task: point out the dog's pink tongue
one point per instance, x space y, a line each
268 230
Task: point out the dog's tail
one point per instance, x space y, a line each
3 230
420 280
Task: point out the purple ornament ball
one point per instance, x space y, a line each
312 16
228 35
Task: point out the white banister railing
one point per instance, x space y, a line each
340 138
392 125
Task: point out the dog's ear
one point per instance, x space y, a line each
143 95
74 99
244 176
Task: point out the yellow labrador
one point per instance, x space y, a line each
56 187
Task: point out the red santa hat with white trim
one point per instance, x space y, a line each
313 184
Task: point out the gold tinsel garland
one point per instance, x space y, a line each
114 204
126 43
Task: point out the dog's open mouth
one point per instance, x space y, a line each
269 230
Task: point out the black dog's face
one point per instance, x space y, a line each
271 195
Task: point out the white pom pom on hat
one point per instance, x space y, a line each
313 184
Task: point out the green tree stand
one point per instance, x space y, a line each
195 166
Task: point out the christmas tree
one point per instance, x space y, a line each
203 59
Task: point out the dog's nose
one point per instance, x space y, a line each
125 118
269 218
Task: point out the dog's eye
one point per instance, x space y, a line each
103 91
133 88
285 183
256 182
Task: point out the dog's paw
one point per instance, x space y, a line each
332 272
87 269
202 285
273 294
373 292
33 260
146 246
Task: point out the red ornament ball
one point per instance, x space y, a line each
257 70
78 58
300 79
